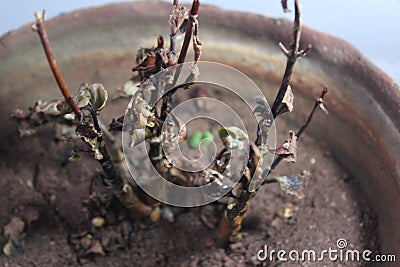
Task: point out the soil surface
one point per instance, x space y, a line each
36 186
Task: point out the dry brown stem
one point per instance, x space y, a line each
41 30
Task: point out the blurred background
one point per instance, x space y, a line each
372 26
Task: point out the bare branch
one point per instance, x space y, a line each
189 29
292 55
318 103
284 49
41 30
284 6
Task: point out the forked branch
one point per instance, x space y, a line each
319 103
292 55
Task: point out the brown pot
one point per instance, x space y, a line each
363 129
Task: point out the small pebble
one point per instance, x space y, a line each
155 215
98 222
168 215
313 161
287 211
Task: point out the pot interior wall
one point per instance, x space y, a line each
99 45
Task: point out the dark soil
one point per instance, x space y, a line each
33 180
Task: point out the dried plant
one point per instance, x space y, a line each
146 124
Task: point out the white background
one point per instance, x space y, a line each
373 26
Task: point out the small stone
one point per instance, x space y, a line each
288 211
8 249
168 215
29 184
14 227
155 215
98 222
313 161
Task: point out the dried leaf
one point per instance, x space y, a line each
288 151
39 114
173 134
291 184
262 109
151 60
233 137
287 102
254 165
127 90
91 137
94 93
95 249
177 18
197 44
148 62
137 136
222 161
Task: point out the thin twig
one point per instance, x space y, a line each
318 104
189 29
174 27
167 98
41 30
292 55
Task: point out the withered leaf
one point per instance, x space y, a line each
233 137
127 90
95 249
262 109
288 151
177 18
287 102
151 60
293 184
197 44
41 113
94 93
91 137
